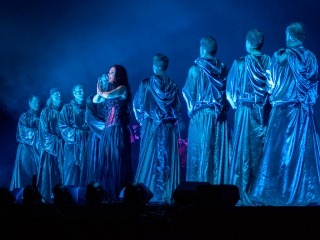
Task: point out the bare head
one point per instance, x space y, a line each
295 34
160 64
103 79
208 47
254 40
34 102
78 92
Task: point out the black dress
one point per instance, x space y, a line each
114 161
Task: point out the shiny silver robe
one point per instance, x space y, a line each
95 119
74 131
157 107
51 155
27 158
209 141
289 174
247 93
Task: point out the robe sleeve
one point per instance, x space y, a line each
95 123
270 84
189 90
70 134
232 81
49 141
138 104
26 134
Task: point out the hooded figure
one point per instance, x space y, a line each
51 156
157 108
289 173
74 131
209 141
27 158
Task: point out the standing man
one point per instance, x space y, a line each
74 131
27 158
209 142
289 173
157 107
247 93
51 156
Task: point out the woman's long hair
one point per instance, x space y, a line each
122 79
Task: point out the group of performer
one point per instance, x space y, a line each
273 157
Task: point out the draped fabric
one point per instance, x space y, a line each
27 158
114 162
205 85
209 141
289 173
247 93
51 156
157 107
74 131
94 117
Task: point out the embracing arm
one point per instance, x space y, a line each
120 91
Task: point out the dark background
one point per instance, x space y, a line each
58 43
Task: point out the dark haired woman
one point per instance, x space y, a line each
114 161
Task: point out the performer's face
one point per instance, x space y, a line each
78 92
34 104
112 75
56 99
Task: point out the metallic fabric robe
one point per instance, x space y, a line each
157 107
51 156
27 158
209 141
94 117
74 131
289 173
246 92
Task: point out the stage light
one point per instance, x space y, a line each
95 194
6 196
62 196
137 194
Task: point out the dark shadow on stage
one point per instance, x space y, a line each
156 221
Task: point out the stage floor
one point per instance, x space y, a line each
156 221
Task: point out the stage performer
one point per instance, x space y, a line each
27 158
74 131
247 93
114 161
289 173
209 141
157 107
94 117
51 156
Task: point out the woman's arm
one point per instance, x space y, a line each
120 91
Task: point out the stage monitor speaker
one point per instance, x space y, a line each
62 196
137 194
96 195
203 193
6 197
186 192
217 195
